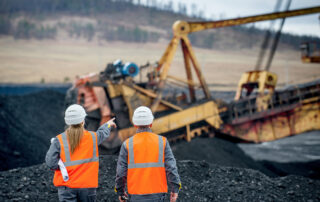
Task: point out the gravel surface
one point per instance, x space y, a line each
201 181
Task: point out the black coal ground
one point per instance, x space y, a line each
201 181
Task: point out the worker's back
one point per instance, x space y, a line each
82 165
146 171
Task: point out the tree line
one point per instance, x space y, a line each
88 6
26 29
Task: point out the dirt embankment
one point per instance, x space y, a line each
201 181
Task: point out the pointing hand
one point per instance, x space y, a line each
112 123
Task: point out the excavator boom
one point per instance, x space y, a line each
182 27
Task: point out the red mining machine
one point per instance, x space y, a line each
183 113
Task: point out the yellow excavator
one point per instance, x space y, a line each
183 114
310 52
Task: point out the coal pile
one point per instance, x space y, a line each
217 151
225 153
296 155
201 181
207 182
27 123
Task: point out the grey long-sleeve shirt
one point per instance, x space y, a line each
169 163
53 154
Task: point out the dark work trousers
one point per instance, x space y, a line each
67 194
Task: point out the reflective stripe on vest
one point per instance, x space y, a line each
132 164
68 161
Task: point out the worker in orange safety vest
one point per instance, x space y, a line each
146 163
74 156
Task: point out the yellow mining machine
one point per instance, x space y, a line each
187 113
310 52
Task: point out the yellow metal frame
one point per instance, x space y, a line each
181 29
207 111
165 63
263 79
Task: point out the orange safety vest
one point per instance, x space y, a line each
146 171
82 165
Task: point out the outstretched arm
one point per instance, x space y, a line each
103 131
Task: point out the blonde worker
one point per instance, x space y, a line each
78 151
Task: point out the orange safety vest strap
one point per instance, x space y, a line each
132 164
68 161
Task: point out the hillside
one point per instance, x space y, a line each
121 20
54 41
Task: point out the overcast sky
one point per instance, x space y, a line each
216 9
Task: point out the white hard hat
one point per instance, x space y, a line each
74 114
142 116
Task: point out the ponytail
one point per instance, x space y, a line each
74 133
